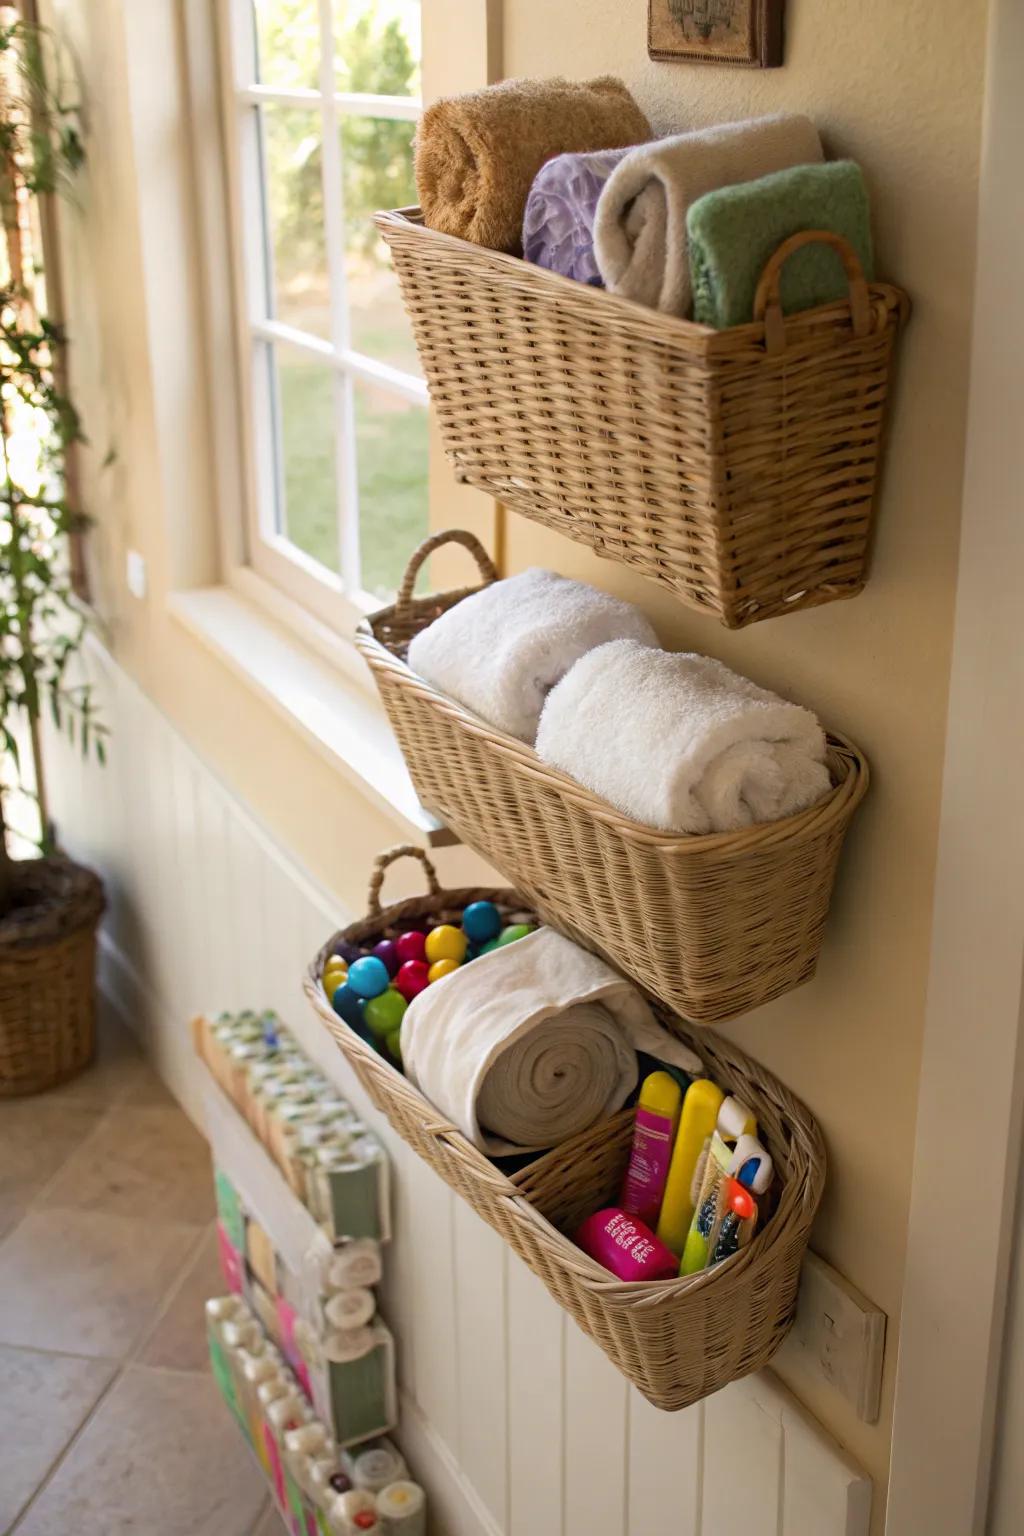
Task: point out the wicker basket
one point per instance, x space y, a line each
48 975
713 925
737 468
676 1340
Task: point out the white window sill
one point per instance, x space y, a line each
326 702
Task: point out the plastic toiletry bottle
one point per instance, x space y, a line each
735 1120
402 1509
626 1246
657 1115
696 1124
738 1223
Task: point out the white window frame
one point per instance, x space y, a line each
335 598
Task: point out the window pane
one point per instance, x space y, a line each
295 214
287 43
391 457
377 46
377 171
305 388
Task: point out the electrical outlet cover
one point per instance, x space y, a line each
843 1333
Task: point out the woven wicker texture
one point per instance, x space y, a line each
676 1340
737 468
713 925
47 976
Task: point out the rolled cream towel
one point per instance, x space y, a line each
503 649
640 224
680 742
477 155
531 1044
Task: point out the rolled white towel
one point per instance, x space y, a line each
531 1044
640 222
503 649
681 742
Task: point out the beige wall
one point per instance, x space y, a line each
887 84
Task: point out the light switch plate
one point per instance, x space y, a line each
842 1335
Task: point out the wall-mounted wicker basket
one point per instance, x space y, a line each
713 925
738 468
676 1340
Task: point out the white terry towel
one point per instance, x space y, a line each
681 742
640 224
531 1044
503 649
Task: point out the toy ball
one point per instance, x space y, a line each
516 931
394 1045
369 976
442 967
387 950
385 1012
347 1004
485 949
346 952
411 945
338 972
446 943
413 976
481 921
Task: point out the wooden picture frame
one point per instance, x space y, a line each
743 32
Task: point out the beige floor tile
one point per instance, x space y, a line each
119 1071
36 1138
87 1282
179 1340
43 1400
140 1161
161 1455
270 1523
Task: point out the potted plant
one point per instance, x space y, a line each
49 906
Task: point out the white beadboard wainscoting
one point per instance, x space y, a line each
515 1421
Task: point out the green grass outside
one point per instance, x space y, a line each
391 463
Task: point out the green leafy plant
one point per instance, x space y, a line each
41 627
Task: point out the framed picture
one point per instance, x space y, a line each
747 32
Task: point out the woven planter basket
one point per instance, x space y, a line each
48 975
738 468
713 925
676 1340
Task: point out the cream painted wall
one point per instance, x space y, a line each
888 85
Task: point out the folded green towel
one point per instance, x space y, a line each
732 233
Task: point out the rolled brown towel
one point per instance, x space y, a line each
477 155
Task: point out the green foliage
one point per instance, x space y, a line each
372 56
40 626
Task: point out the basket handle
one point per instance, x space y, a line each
462 536
767 304
380 864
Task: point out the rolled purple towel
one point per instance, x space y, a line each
558 225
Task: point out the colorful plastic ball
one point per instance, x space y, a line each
347 1004
369 976
485 949
446 943
411 945
481 921
385 1012
347 952
334 975
413 976
515 931
442 967
387 950
394 1045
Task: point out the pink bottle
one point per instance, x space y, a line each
626 1246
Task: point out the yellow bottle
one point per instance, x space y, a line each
696 1123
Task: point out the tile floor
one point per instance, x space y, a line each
110 1424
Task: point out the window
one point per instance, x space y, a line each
324 97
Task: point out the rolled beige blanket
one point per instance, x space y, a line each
477 155
532 1044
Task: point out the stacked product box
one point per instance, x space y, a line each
320 1488
303 1209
